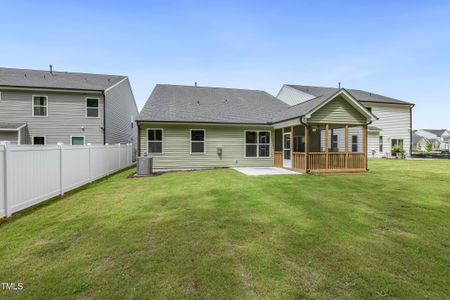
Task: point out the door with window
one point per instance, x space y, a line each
287 162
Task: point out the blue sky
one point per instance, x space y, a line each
396 48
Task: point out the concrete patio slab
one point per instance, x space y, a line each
258 171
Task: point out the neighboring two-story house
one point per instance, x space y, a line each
439 137
393 126
48 107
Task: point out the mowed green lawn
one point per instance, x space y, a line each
221 234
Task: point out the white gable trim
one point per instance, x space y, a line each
350 99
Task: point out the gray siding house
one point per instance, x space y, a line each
184 127
48 107
394 117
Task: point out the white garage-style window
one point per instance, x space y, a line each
257 143
40 106
92 107
155 141
198 141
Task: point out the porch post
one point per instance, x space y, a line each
293 164
326 146
346 146
365 145
306 149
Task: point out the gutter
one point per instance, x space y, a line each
104 117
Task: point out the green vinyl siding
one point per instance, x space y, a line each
338 111
176 146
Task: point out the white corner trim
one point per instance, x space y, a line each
350 99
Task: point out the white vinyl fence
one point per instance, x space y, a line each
32 174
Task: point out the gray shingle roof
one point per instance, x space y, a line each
437 132
357 94
301 108
12 126
175 103
60 80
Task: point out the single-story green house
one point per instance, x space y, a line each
185 127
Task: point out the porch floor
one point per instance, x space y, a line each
258 171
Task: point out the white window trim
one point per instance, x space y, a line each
191 141
44 136
257 144
78 136
147 140
32 106
86 107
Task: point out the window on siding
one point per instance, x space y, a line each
154 140
264 144
92 107
397 142
197 141
257 143
40 106
77 140
381 144
39 140
354 143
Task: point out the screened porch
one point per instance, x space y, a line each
321 148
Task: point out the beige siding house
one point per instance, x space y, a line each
392 126
186 127
48 107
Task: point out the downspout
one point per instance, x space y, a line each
410 130
104 117
139 139
367 145
306 145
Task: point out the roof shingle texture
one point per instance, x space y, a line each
175 103
60 80
357 94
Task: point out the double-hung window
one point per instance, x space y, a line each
40 106
257 144
154 141
197 141
92 108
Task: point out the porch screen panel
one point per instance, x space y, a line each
278 139
299 139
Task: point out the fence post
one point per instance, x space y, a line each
61 183
129 155
90 162
120 153
107 159
5 181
